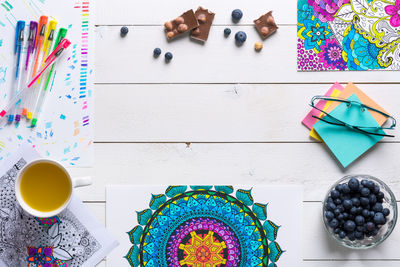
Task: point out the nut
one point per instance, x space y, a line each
182 28
258 46
265 31
271 20
196 31
170 35
202 18
179 20
168 25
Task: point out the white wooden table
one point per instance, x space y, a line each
223 114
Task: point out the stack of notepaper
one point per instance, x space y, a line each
345 143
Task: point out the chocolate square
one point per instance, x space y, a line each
266 25
184 23
205 19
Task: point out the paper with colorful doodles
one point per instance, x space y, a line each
205 225
348 35
73 238
65 129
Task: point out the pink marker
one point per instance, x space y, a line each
51 59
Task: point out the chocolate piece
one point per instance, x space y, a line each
205 19
266 25
184 23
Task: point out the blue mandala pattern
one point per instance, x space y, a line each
204 227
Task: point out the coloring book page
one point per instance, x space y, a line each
72 238
205 225
64 131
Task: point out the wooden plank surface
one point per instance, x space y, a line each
215 112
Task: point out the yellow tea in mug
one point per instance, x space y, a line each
45 186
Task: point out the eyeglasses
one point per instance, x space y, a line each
364 129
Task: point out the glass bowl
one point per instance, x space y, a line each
385 230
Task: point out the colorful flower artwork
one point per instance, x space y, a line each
204 226
339 35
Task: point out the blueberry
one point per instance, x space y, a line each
330 206
379 218
168 56
334 223
360 229
364 182
371 214
351 236
329 215
345 215
355 201
349 226
330 199
342 234
380 195
337 201
124 31
377 207
240 37
386 212
376 189
359 210
370 226
336 231
365 213
346 189
340 217
156 52
370 185
359 220
353 210
227 32
335 194
336 212
372 199
365 192
364 201
339 187
347 204
354 184
375 232
237 14
359 235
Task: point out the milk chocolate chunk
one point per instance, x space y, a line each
266 25
205 19
184 23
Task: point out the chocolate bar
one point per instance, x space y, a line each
266 25
205 19
184 23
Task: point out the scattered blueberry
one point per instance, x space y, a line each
124 31
240 37
237 14
227 32
168 56
156 52
386 212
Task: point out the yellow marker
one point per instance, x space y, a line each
48 42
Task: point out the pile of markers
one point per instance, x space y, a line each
35 55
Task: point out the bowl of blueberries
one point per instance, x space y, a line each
359 211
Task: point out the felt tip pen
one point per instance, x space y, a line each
51 59
48 42
19 42
43 93
28 63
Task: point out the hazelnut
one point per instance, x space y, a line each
202 18
182 28
170 35
271 20
168 25
196 31
179 20
265 31
258 46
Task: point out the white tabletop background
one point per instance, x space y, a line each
224 114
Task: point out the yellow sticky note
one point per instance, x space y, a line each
313 133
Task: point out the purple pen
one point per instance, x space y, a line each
31 42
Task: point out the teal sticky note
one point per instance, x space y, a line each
345 143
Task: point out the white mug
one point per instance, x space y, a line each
74 182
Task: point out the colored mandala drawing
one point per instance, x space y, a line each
204 226
348 35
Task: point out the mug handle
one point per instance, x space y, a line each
81 181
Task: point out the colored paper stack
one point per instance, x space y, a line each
345 143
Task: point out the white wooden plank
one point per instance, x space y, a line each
214 113
130 59
159 11
310 165
320 249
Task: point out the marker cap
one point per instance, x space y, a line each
33 26
42 22
19 29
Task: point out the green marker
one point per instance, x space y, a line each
61 35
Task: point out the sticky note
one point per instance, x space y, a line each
345 143
308 120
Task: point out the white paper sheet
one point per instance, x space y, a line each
284 209
77 237
65 128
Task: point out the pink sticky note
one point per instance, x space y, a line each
309 121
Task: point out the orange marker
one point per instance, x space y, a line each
39 42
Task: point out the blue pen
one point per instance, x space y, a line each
19 42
